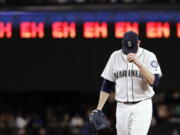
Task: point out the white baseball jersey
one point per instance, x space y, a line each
129 83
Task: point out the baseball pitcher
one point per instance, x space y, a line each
134 71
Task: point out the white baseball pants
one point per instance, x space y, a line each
133 119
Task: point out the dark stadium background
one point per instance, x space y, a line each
66 64
50 83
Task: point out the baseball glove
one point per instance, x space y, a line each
98 121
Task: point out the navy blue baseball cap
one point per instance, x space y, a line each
130 42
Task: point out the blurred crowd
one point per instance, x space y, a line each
47 2
63 120
55 121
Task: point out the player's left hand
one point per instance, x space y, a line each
132 57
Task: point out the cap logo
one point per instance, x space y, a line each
129 44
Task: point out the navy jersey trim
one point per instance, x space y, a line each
132 85
132 77
141 54
126 76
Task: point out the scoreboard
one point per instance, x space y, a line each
91 30
67 50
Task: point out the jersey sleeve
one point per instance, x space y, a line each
153 65
108 70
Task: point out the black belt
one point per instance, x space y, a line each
129 103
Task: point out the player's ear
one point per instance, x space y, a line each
139 42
